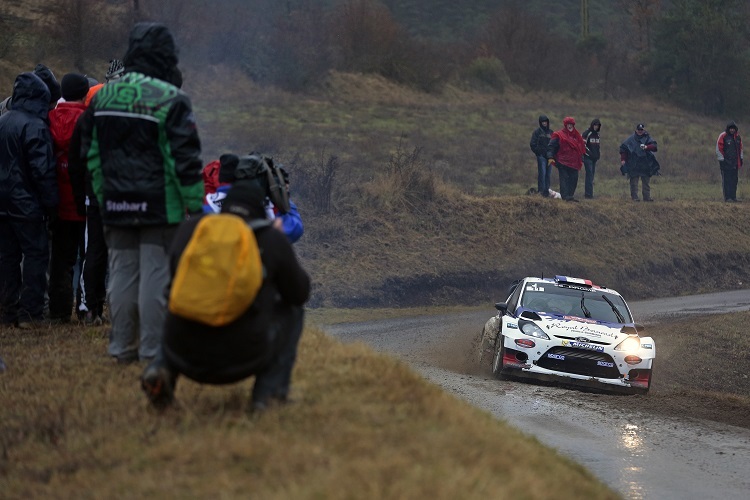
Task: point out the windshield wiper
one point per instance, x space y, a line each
620 318
585 310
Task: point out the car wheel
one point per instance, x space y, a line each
497 360
482 348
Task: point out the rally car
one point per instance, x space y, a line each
570 330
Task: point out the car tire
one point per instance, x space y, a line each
497 360
482 348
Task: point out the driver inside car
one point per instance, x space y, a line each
558 305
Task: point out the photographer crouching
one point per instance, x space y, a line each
261 338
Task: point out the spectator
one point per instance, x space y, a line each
729 154
49 80
68 231
591 136
260 342
565 151
142 152
28 202
92 283
539 141
637 161
218 180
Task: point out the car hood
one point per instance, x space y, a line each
572 327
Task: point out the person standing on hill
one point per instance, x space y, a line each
565 151
539 142
591 136
68 231
28 202
141 147
729 154
637 161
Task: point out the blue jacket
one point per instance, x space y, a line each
28 180
291 221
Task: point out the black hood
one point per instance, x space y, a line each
49 79
595 121
543 118
731 124
152 51
31 95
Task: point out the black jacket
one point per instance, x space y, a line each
638 161
729 149
28 179
229 353
592 139
139 139
540 137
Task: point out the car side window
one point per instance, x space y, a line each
513 300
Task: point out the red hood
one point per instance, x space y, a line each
62 122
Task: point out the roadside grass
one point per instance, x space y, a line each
465 250
74 424
700 371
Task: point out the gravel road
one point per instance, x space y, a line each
643 456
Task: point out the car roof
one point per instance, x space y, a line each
570 282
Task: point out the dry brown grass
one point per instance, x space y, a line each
467 250
75 425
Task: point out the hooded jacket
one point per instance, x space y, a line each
62 121
540 137
139 140
28 184
729 148
49 80
592 139
567 146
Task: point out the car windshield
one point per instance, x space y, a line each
547 297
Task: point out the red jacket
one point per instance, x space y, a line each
567 146
62 122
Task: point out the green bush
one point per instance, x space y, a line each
488 71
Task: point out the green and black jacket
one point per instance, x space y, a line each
139 140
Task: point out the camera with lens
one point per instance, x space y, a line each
271 177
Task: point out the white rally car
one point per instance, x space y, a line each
570 330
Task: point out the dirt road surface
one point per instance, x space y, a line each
641 455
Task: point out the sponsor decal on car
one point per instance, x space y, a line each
605 363
582 345
647 346
512 325
579 329
534 287
556 356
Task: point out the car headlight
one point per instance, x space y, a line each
532 330
630 344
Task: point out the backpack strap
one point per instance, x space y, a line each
258 224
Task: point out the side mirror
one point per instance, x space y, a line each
502 307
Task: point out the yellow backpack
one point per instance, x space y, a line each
220 272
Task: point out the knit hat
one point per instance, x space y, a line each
49 79
74 87
245 199
640 126
227 166
115 70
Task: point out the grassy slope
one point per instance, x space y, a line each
467 250
72 425
378 249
